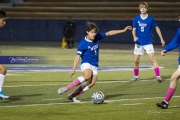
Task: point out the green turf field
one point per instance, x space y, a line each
34 93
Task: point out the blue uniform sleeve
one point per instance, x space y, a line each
134 23
100 36
153 23
80 48
174 43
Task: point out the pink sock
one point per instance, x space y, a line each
77 91
157 71
136 72
73 84
169 94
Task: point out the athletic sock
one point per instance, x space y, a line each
78 90
157 71
76 82
1 81
136 72
169 94
84 90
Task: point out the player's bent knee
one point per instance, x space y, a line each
87 77
3 69
173 79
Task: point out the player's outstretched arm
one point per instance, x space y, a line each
160 36
134 34
76 61
114 32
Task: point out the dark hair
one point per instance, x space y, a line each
90 26
2 14
70 17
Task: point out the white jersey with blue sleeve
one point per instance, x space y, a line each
89 50
174 44
144 29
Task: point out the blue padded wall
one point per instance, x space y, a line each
51 30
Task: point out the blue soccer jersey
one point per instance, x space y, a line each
174 43
89 50
144 29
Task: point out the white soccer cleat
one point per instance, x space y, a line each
62 90
3 96
134 79
159 79
75 100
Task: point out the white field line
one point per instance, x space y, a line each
106 101
66 68
131 104
9 74
72 102
64 83
32 85
53 99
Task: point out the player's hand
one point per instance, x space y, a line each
71 73
162 42
127 28
163 52
135 39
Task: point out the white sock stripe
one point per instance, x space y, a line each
81 79
1 81
86 88
2 76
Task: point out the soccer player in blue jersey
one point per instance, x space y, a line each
2 67
88 52
176 75
142 34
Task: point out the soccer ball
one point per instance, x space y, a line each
98 97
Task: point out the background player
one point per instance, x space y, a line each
69 32
2 67
142 32
88 52
176 75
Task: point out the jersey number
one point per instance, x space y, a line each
142 29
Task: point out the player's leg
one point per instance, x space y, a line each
136 65
171 89
92 79
86 69
138 51
68 39
77 91
80 90
85 87
71 41
75 82
3 71
150 51
68 43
